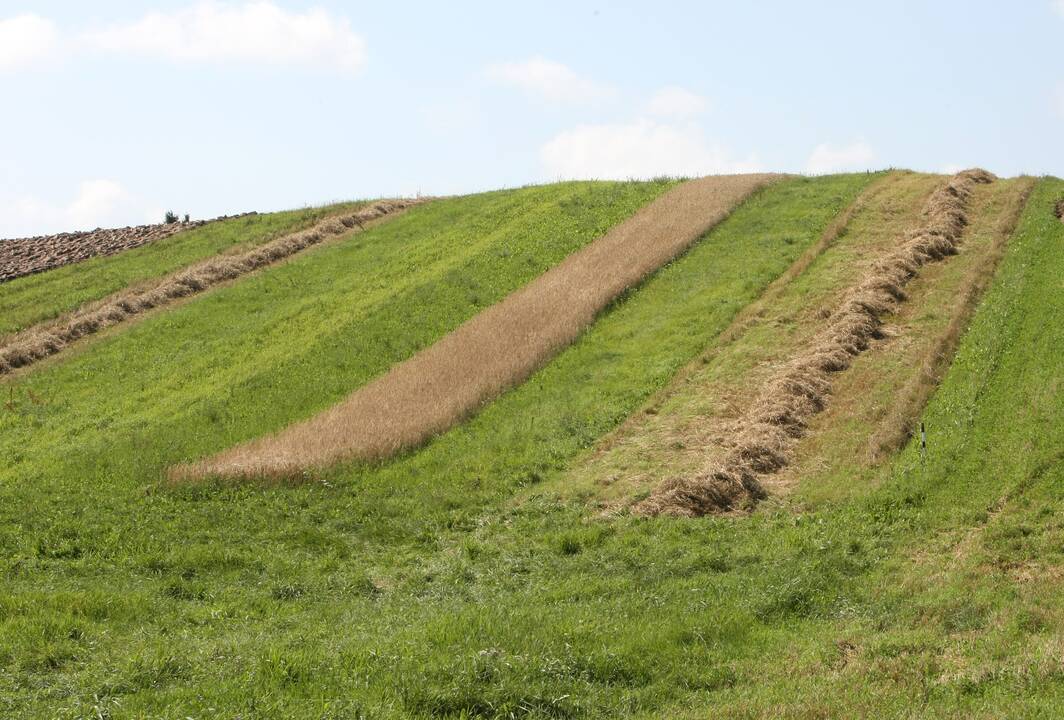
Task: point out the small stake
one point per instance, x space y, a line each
923 442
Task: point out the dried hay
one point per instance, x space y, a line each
799 390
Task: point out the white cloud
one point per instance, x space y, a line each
27 40
548 80
1059 5
644 148
257 31
98 203
827 158
95 202
676 102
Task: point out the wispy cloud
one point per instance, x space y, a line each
544 79
1059 6
640 149
97 203
27 40
258 32
676 102
828 158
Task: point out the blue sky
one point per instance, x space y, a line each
113 112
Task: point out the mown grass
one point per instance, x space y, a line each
35 298
116 596
419 589
142 601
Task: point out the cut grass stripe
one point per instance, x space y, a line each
762 441
702 404
495 350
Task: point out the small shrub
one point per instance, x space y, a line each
170 218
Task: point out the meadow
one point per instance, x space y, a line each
466 578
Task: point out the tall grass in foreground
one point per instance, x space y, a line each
497 349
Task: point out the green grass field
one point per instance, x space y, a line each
457 581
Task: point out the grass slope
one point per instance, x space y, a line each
445 383
251 357
35 298
691 423
939 591
379 587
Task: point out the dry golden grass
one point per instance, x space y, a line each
499 348
764 435
36 343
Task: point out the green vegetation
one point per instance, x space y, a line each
32 299
101 575
423 588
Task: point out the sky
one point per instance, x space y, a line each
113 112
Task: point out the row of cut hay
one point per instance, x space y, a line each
29 346
746 316
779 415
897 427
497 349
1058 210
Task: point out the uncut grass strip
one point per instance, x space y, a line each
799 389
497 349
34 344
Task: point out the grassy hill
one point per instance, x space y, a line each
479 576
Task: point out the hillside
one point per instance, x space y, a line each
502 567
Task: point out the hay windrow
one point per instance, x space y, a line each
799 389
1058 210
497 349
36 343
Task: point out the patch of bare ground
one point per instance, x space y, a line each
761 440
499 348
33 344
